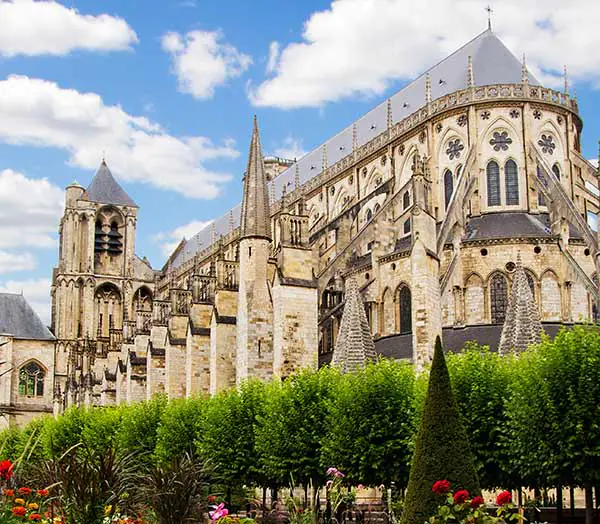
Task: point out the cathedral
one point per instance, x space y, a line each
429 209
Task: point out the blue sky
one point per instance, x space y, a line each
166 90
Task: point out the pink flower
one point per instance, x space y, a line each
328 484
331 471
219 511
338 474
360 486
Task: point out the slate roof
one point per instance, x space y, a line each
492 63
506 225
106 190
19 320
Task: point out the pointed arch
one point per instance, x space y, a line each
550 298
387 310
498 289
474 299
511 182
493 183
32 375
448 187
403 299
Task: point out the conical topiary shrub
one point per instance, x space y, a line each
442 450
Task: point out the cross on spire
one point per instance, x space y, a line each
489 13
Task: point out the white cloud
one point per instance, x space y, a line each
170 240
290 148
202 63
41 113
358 47
31 27
273 57
36 291
13 261
30 211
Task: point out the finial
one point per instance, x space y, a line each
354 137
470 77
575 93
489 12
103 162
324 157
566 77
389 113
427 89
231 220
297 176
524 72
255 122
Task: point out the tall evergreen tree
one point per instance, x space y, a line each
442 450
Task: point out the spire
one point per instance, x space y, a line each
105 189
524 72
428 89
354 345
566 76
489 13
470 76
522 326
256 217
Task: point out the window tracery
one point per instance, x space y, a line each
31 380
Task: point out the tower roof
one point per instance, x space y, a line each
106 190
354 345
19 320
522 325
256 217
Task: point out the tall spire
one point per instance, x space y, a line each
566 78
256 217
522 326
524 72
354 345
470 76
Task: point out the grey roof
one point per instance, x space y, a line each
354 345
522 326
19 320
507 225
492 63
256 217
106 190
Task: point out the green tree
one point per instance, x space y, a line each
293 425
178 428
371 424
480 382
442 449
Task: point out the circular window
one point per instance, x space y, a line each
484 252
537 250
510 266
586 252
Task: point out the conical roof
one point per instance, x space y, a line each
106 190
354 345
522 326
256 217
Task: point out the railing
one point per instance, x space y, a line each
203 289
180 301
228 274
161 312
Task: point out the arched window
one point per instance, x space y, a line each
448 186
407 226
511 178
498 296
556 171
405 200
31 380
493 184
376 208
541 196
405 311
531 282
369 215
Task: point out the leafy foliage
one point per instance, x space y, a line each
442 449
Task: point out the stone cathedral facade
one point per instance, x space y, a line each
426 203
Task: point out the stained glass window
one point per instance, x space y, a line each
407 226
448 186
405 200
511 177
405 311
498 296
493 184
31 380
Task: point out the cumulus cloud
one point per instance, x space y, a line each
273 57
36 291
41 113
13 261
290 148
170 240
31 27
358 47
202 62
30 211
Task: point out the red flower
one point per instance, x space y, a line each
19 511
6 469
461 496
9 492
42 492
35 516
212 499
503 498
477 501
440 487
25 491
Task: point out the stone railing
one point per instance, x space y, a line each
161 311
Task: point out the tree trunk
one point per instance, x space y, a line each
589 504
559 504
